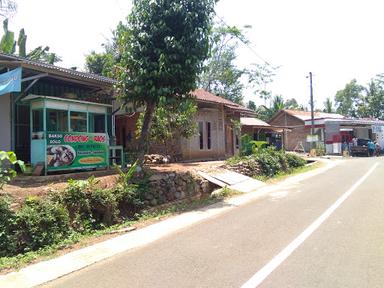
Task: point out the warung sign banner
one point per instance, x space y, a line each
76 150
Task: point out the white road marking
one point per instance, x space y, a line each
264 272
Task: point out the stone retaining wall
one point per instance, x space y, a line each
165 187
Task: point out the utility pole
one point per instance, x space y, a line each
312 112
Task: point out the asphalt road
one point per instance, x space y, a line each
344 249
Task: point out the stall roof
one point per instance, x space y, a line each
13 61
34 97
257 123
250 121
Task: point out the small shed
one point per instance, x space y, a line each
68 134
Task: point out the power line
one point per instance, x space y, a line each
244 42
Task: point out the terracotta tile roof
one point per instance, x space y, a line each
205 96
306 115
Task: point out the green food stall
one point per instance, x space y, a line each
68 134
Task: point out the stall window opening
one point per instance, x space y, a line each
57 120
37 121
78 121
97 123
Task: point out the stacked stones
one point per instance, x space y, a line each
166 187
249 168
157 159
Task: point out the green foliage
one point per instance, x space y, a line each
267 162
80 208
173 117
251 105
7 43
100 63
129 194
246 145
259 77
76 199
294 161
161 51
41 223
328 106
162 47
220 75
8 46
7 227
22 43
6 172
271 161
347 99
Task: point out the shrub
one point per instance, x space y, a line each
295 161
129 195
269 163
7 229
41 222
104 206
7 159
76 199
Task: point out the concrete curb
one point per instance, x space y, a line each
46 271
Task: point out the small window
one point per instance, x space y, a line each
97 123
37 121
201 135
78 122
209 135
57 120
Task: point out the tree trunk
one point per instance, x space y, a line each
143 143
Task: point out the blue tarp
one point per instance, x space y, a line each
10 81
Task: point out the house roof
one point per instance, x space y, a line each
250 121
306 115
205 96
16 61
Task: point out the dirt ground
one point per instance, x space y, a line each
24 186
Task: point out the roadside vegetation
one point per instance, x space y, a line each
262 162
81 214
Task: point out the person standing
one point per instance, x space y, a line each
371 147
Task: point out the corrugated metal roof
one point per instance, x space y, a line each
306 115
352 121
250 121
40 66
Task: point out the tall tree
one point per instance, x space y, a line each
162 48
251 105
374 99
103 63
328 106
266 113
220 75
7 8
348 99
259 76
291 104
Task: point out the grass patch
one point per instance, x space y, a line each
284 175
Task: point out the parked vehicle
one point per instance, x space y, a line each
361 148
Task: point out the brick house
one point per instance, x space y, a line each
216 138
295 128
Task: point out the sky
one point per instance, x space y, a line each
336 40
